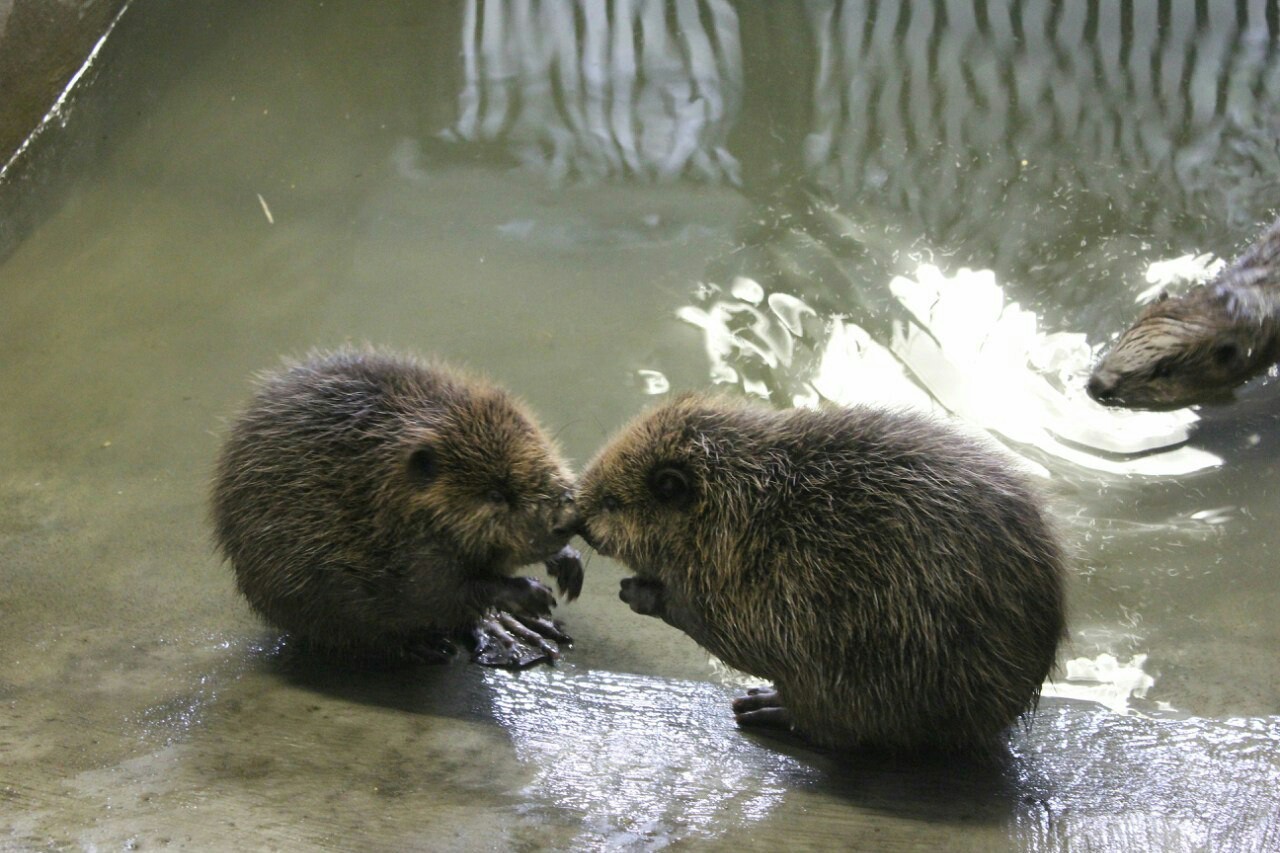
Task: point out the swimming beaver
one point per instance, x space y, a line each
1195 348
895 579
372 503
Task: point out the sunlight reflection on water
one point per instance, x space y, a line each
637 756
1182 270
968 351
1104 680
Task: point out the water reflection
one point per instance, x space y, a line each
584 233
642 760
1179 272
645 762
965 349
1105 680
598 90
1027 140
1111 782
163 234
955 116
957 111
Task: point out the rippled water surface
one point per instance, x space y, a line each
948 205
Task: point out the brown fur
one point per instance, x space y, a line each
1197 347
366 499
894 578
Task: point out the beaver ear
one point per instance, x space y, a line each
422 465
672 485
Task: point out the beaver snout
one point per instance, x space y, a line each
1101 388
566 521
596 544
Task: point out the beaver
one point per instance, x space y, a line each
1197 347
373 503
896 580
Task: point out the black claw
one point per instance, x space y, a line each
566 568
517 648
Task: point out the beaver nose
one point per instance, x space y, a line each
585 533
567 522
1100 389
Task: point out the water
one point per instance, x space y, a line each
950 207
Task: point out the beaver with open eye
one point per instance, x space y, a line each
1199 346
895 579
371 503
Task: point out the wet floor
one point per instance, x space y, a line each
946 205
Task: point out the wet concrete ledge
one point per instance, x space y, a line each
42 44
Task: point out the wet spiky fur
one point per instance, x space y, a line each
1197 347
898 583
364 498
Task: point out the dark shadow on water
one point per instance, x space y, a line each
941 787
1244 427
453 688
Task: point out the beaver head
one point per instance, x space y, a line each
474 473
672 493
1184 350
360 454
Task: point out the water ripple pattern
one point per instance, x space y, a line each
636 757
598 90
911 100
1129 783
1105 680
965 349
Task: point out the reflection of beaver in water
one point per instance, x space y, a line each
1196 347
370 503
894 578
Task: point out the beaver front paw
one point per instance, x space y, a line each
524 596
566 568
646 597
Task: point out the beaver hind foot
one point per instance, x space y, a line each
762 708
504 640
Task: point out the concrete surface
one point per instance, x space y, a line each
42 44
143 706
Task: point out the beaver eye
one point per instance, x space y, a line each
670 485
1224 354
1163 369
422 466
497 497
609 503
